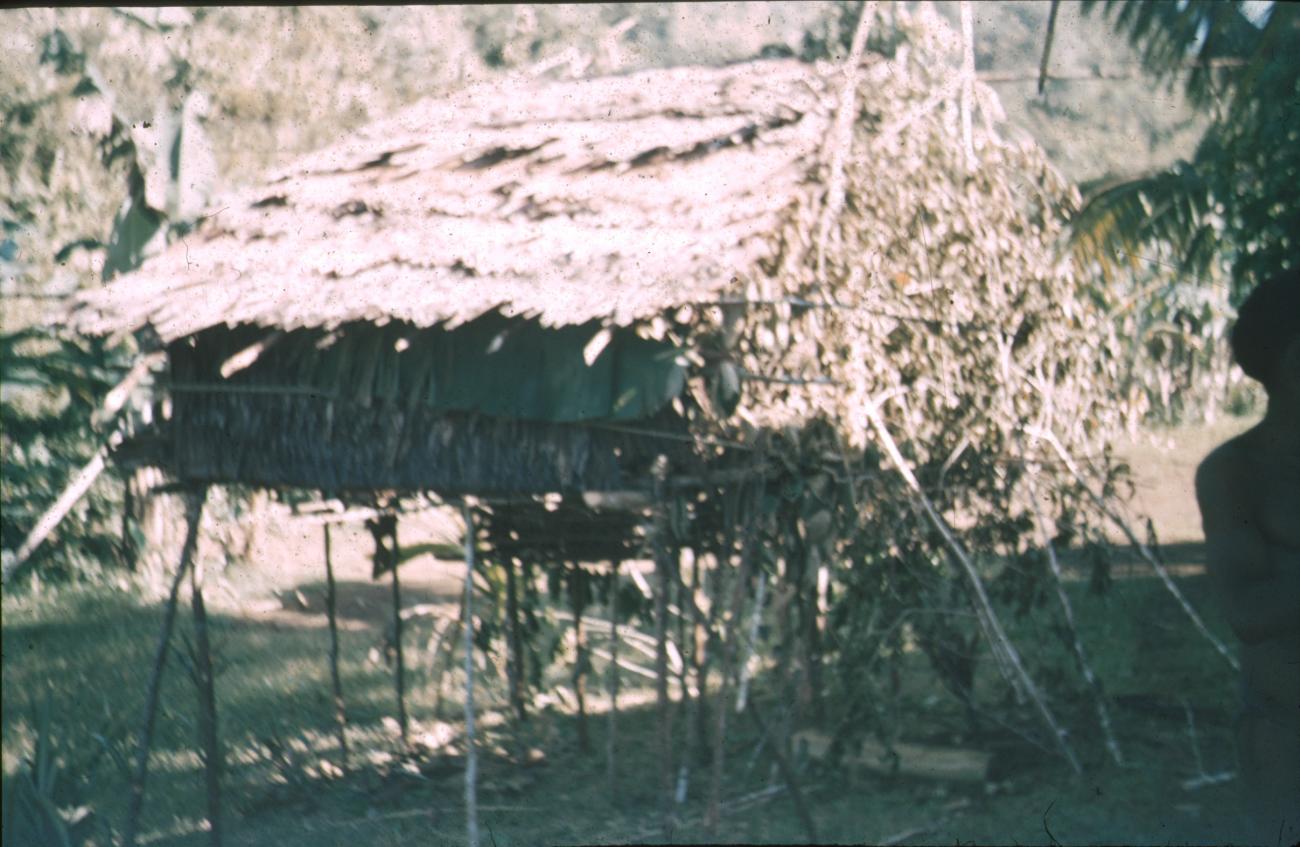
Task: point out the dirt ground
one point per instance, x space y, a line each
1171 696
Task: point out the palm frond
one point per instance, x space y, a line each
1119 222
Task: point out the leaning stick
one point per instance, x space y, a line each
54 515
1143 550
984 608
135 802
1076 643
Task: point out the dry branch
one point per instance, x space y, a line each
1143 550
993 630
1076 643
840 140
54 515
942 763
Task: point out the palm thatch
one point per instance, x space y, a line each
605 199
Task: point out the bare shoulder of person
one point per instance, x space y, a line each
1221 489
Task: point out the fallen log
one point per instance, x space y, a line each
954 764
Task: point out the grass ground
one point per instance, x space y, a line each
91 648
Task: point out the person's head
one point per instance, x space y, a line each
1266 337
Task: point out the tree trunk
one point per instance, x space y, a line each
135 802
331 611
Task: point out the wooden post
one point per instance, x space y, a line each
663 574
738 591
514 640
388 556
611 760
206 687
331 611
135 801
576 606
471 756
690 707
400 659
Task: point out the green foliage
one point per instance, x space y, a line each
42 804
49 390
1233 201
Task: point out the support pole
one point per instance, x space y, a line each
577 606
135 802
399 658
471 755
387 557
331 611
729 653
663 707
611 755
515 661
206 687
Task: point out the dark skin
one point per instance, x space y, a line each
1249 494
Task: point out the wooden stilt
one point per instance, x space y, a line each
577 606
471 754
399 658
611 749
689 709
514 640
663 574
205 684
331 611
135 802
737 601
387 557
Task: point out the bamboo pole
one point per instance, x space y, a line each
331 611
471 754
135 800
989 622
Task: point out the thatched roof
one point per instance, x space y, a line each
611 199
